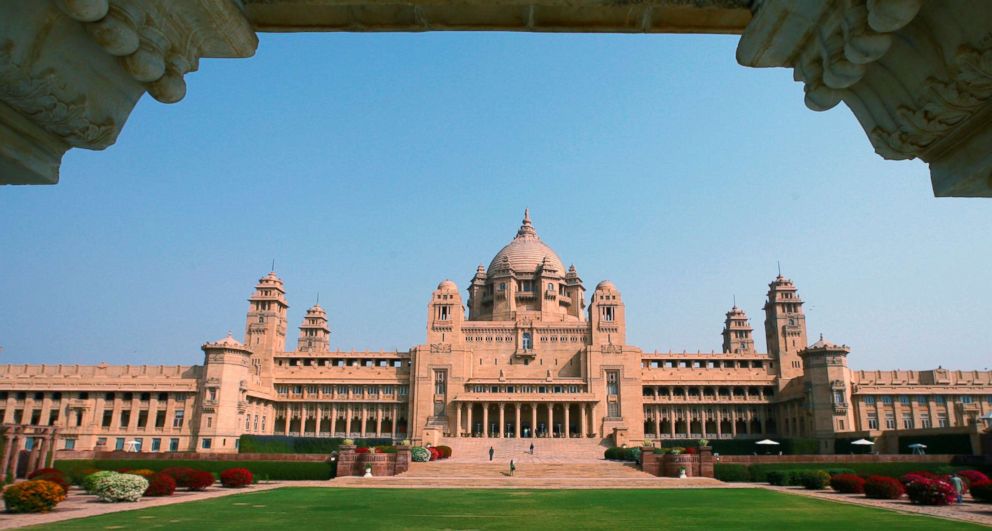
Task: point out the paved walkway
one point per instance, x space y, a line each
969 511
79 505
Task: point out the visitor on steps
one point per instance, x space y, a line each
513 467
491 452
531 448
956 482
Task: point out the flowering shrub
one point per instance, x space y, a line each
883 488
420 454
32 496
814 479
690 451
117 487
181 474
435 453
143 472
199 480
51 474
981 491
160 485
923 491
386 449
916 476
89 482
236 477
973 477
445 451
848 484
361 450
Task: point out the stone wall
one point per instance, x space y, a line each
351 463
64 455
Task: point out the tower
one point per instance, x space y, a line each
737 332
315 336
828 391
445 314
223 391
265 325
606 315
785 328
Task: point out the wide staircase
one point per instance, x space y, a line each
555 463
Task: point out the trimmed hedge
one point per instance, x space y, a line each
263 470
748 446
731 472
814 479
759 471
282 444
848 484
883 488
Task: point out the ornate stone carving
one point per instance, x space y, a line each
42 98
440 348
611 349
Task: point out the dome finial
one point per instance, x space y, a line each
526 228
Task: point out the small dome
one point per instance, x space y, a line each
526 252
606 284
228 341
447 285
316 308
824 343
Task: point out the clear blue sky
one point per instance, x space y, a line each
373 166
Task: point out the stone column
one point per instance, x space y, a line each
395 420
378 420
46 407
551 419
533 419
485 419
346 460
318 416
471 427
719 421
13 443
170 413
347 422
288 415
458 419
733 422
657 423
365 419
671 422
567 428
132 423
334 418
516 422
502 419
584 426
8 440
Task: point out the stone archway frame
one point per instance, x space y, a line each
915 74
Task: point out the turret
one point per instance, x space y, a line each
315 336
828 391
265 326
785 328
606 314
222 395
445 314
737 332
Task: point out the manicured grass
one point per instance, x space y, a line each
327 508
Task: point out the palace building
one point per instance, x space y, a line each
528 353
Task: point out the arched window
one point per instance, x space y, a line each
528 342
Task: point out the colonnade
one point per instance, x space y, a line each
342 419
678 422
524 419
15 439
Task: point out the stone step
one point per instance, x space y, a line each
476 450
602 470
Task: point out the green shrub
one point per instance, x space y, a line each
271 470
281 444
634 454
420 454
731 472
814 479
32 496
758 471
89 482
778 478
836 471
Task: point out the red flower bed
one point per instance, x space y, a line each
883 488
982 491
160 484
435 453
690 450
200 480
848 483
445 451
236 477
361 450
930 492
973 477
181 474
915 476
51 474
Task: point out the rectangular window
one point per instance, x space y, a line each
907 421
872 422
119 443
886 399
160 419
890 422
925 421
942 421
263 423
156 444
205 443
70 444
921 400
177 421
838 397
108 417
904 400
939 399
966 399
125 418
869 400
404 390
143 418
138 441
613 409
573 389
440 382
607 313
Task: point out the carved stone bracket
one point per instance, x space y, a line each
917 75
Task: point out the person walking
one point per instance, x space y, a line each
491 452
958 485
531 448
513 468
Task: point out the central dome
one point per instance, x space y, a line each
526 252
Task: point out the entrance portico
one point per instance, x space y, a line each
522 419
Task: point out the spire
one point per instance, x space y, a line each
526 228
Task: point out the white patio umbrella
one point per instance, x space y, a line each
862 442
918 448
767 441
917 445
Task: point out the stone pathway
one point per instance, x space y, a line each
969 511
79 505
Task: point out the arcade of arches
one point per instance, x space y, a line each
915 74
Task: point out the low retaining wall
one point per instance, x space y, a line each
670 465
63 455
847 458
351 463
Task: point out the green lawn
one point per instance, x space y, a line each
326 508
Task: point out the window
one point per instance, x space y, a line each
551 286
607 313
138 442
404 390
886 399
613 409
573 389
612 384
263 423
939 399
440 384
872 421
869 400
205 443
173 445
177 421
907 421
904 400
921 400
156 444
890 421
925 421
70 444
108 415
247 422
838 397
942 421
966 399
119 443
